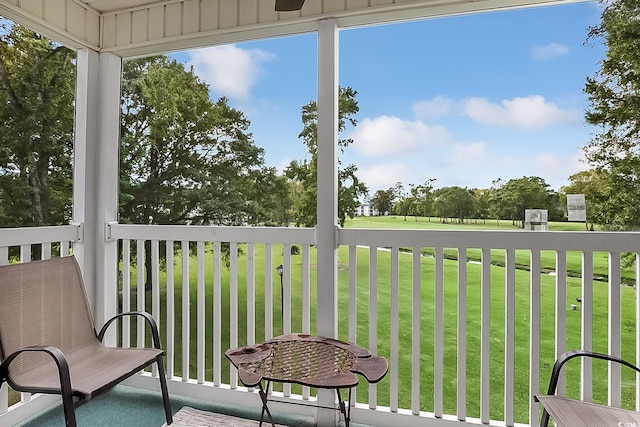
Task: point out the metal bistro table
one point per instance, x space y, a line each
307 360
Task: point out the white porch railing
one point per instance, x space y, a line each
448 316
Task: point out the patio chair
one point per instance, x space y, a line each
575 413
48 343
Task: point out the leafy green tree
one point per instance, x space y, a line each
382 201
591 183
454 202
424 198
530 192
184 158
497 207
37 81
304 173
614 97
483 203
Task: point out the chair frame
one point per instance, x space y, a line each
71 398
563 359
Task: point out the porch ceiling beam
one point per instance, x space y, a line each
152 27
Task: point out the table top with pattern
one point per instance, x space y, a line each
307 360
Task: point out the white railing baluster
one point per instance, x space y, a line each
233 306
615 318
155 290
286 290
373 316
286 303
217 315
306 304
251 294
306 290
171 310
126 292
534 335
268 291
561 314
438 334
461 404
140 290
25 253
64 248
353 292
509 335
200 313
394 312
485 336
586 384
416 316
186 309
46 251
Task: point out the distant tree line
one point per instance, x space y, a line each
503 201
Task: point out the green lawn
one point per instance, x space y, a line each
427 322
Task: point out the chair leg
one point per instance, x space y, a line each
69 410
165 391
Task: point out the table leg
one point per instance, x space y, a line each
346 411
263 396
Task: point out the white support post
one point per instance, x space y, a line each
327 210
96 169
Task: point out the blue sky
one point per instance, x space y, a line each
464 100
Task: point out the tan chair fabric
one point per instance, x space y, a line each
43 303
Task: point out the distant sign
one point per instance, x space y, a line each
576 207
535 219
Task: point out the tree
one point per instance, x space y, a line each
483 202
424 196
614 97
454 202
184 158
37 79
591 183
382 201
304 173
529 192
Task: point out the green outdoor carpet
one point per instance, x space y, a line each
125 406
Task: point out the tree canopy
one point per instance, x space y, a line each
37 81
614 98
184 158
303 173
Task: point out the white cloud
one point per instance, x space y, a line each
468 154
439 106
387 135
229 70
532 112
383 176
549 51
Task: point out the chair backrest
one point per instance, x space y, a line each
43 303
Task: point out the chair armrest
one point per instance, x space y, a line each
150 321
563 359
57 356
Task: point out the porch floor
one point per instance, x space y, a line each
128 406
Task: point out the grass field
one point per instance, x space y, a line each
427 320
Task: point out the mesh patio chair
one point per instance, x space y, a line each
576 413
48 343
